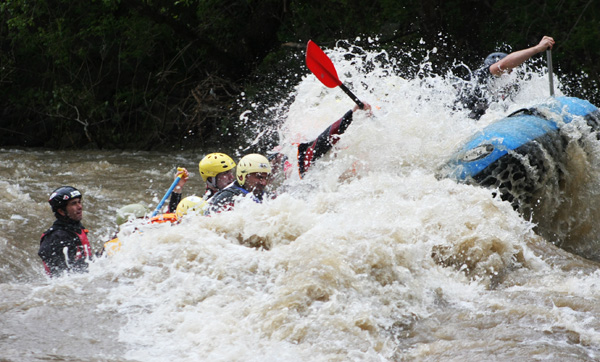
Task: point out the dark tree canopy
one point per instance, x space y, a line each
146 74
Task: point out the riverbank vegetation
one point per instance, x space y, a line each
149 74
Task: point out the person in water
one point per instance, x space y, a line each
252 177
309 152
65 246
476 92
216 170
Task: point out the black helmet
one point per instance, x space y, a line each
59 197
493 58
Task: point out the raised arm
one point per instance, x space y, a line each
517 58
308 152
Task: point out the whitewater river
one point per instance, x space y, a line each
370 258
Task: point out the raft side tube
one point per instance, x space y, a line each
513 132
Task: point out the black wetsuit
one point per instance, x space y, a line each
477 92
473 93
208 194
309 152
174 201
224 200
65 234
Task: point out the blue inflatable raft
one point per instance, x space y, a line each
522 153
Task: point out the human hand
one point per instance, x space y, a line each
546 43
184 174
366 107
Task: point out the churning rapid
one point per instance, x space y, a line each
370 257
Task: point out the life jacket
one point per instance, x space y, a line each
224 199
243 191
83 248
87 249
208 194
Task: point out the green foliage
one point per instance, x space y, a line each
152 73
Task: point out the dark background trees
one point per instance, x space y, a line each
154 73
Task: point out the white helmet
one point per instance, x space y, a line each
250 164
130 212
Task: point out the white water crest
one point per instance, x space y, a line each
369 258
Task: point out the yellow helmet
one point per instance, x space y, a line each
213 164
250 164
130 212
190 204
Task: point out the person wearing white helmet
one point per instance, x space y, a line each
252 177
131 212
65 245
476 93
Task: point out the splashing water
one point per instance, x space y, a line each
369 258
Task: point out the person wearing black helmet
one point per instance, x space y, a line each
65 246
475 94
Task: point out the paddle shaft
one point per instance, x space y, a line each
162 202
550 73
351 95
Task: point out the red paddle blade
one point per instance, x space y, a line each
321 66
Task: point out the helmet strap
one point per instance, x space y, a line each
212 182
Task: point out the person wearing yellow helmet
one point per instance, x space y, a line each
252 177
190 204
216 169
